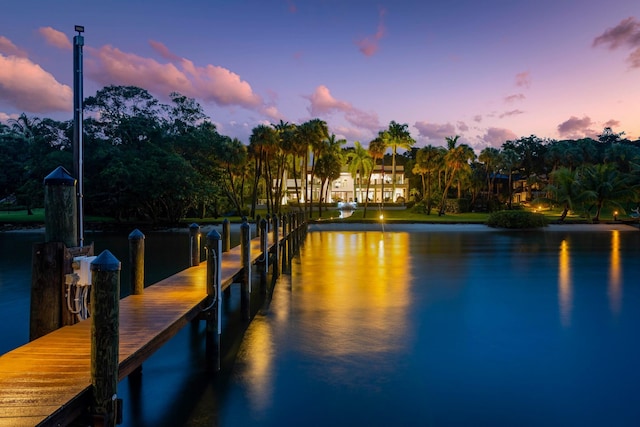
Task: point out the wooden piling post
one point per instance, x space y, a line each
194 244
245 257
136 260
105 310
258 221
276 246
226 247
46 299
226 235
214 292
264 258
285 242
60 208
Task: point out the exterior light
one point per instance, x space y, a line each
381 216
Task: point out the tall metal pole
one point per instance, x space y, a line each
78 167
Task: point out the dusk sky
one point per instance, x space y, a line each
488 71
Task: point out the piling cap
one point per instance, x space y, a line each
60 176
136 235
194 226
105 262
214 235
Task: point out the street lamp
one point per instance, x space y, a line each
78 42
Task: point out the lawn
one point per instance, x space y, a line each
20 218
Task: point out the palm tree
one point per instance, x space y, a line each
261 142
565 190
377 147
490 156
456 160
398 137
428 161
508 160
604 185
312 135
328 164
360 162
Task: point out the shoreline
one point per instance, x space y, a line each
387 226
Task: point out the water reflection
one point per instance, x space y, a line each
615 275
565 293
350 306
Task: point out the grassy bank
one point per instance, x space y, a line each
20 219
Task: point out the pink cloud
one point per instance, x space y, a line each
575 128
495 137
8 48
462 126
55 38
514 98
477 118
109 65
28 87
511 113
164 52
626 33
523 79
369 45
434 130
612 123
322 102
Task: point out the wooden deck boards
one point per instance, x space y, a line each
48 380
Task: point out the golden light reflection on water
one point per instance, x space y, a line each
565 292
348 298
615 279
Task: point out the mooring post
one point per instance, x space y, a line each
258 221
226 235
276 245
264 245
285 243
60 208
214 293
136 260
245 257
194 244
105 309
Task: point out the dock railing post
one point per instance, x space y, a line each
264 249
214 292
276 246
258 220
245 257
264 244
226 235
60 208
285 244
194 244
136 260
105 309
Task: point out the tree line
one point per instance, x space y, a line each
149 161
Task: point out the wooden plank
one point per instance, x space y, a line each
47 381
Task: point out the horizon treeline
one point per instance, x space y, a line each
149 161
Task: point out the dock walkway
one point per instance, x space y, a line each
47 382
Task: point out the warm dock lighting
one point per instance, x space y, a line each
381 217
615 215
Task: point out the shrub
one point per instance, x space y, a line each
516 219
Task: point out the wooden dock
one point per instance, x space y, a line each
47 382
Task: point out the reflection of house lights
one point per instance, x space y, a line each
564 284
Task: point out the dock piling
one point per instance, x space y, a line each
136 260
194 244
105 310
214 292
245 292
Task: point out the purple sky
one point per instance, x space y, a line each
488 71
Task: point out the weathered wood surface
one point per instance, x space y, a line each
47 382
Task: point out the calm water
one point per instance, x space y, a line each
454 326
